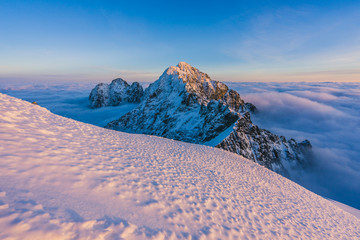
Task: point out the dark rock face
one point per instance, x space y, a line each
117 92
99 96
250 107
265 148
185 104
233 100
134 93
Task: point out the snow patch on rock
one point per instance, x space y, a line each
115 93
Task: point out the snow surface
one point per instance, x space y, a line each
347 208
62 179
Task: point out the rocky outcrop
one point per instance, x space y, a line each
266 148
115 93
185 104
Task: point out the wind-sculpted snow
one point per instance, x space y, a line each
62 179
328 114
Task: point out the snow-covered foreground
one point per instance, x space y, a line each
62 179
329 118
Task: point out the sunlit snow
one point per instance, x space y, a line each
63 179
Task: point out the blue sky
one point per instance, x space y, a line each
230 40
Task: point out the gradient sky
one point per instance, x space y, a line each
71 40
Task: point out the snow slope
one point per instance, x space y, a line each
62 179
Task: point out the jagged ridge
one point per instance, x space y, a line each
266 148
184 104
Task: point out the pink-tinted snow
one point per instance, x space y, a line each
62 179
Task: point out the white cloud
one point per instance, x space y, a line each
325 113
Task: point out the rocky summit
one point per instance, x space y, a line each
184 104
187 105
115 93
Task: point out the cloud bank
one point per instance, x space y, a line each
328 114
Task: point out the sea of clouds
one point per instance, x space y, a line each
69 100
327 114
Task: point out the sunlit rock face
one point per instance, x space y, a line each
115 93
187 105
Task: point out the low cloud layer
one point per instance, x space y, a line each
328 114
69 100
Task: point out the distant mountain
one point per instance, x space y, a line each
115 93
186 105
